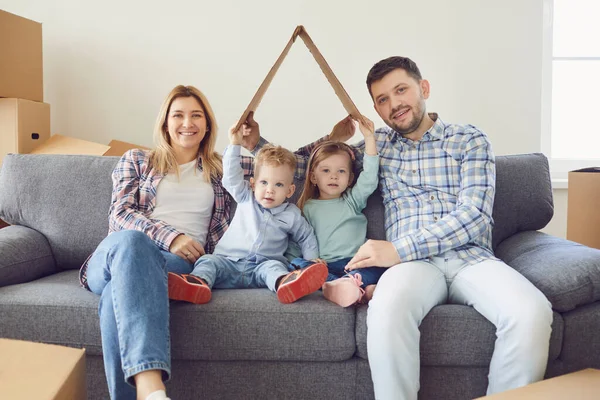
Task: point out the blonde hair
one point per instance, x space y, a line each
323 151
274 156
163 156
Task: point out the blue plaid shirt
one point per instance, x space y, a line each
438 192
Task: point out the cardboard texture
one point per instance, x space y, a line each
21 72
59 144
333 81
24 124
118 148
41 371
581 385
583 211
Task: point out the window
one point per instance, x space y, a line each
571 98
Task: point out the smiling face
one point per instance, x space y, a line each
399 99
332 175
186 127
273 185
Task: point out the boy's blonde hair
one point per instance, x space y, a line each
274 156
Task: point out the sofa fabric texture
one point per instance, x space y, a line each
244 343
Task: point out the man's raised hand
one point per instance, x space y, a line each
343 130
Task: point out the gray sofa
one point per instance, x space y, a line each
244 344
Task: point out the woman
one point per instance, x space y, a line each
168 208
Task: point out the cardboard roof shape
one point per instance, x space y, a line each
333 81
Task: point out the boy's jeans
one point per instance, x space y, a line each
369 276
223 273
129 272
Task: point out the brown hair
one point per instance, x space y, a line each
274 156
384 67
321 152
163 157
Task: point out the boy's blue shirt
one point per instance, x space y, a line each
256 233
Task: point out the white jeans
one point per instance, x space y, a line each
408 291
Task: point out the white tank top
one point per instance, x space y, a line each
185 203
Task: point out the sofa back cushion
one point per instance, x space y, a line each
523 199
64 197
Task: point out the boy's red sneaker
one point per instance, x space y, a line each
301 282
190 288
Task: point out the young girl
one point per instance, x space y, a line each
333 206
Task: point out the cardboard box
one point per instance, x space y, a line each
41 371
118 148
59 144
581 385
583 210
24 124
21 71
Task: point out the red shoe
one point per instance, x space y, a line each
301 282
190 288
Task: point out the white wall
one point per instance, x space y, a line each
558 225
108 65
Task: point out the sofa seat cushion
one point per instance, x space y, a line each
456 335
245 324
581 346
566 272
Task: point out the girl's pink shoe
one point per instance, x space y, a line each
344 291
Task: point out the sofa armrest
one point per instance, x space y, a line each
568 273
25 255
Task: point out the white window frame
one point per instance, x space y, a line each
559 167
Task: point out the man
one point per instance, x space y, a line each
438 182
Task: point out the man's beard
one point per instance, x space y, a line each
418 115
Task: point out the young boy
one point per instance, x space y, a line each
251 253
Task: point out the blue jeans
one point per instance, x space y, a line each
129 272
221 272
369 276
